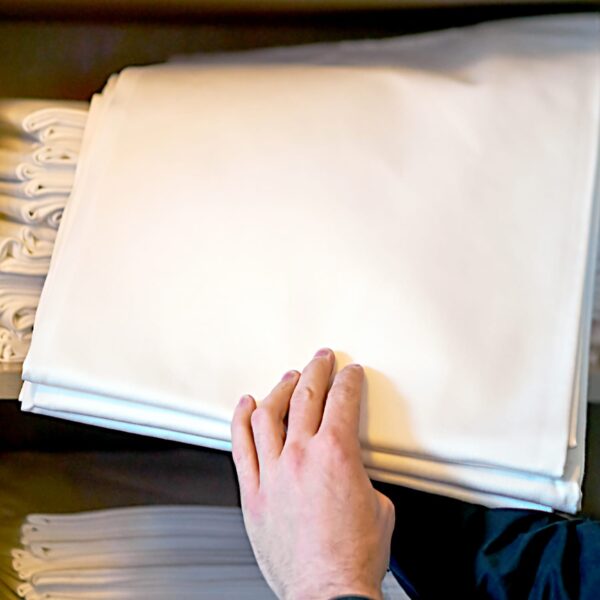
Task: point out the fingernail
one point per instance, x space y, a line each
289 375
244 399
355 366
323 352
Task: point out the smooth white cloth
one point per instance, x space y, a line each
404 214
382 51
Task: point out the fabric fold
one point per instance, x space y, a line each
31 116
45 212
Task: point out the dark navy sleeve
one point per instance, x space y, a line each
444 548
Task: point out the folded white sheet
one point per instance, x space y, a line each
562 493
405 216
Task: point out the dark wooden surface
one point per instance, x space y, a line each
53 465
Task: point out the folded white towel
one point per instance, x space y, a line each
13 346
50 183
406 216
57 154
16 143
19 298
16 166
59 133
32 116
25 250
46 211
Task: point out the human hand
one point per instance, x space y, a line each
317 526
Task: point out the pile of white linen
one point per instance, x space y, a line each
140 553
39 148
424 206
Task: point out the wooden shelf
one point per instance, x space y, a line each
10 380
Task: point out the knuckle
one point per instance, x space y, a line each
391 509
388 509
308 393
334 444
294 454
343 387
259 418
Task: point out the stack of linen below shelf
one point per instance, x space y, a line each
40 142
425 206
140 553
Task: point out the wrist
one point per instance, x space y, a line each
354 597
337 592
352 591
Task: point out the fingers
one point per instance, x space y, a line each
268 420
243 448
278 401
308 399
342 410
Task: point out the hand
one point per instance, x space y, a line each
317 526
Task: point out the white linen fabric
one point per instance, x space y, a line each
49 184
35 181
19 297
25 250
45 211
33 116
386 51
141 552
59 134
13 346
17 166
403 212
59 154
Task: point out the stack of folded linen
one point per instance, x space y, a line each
39 148
424 205
140 553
